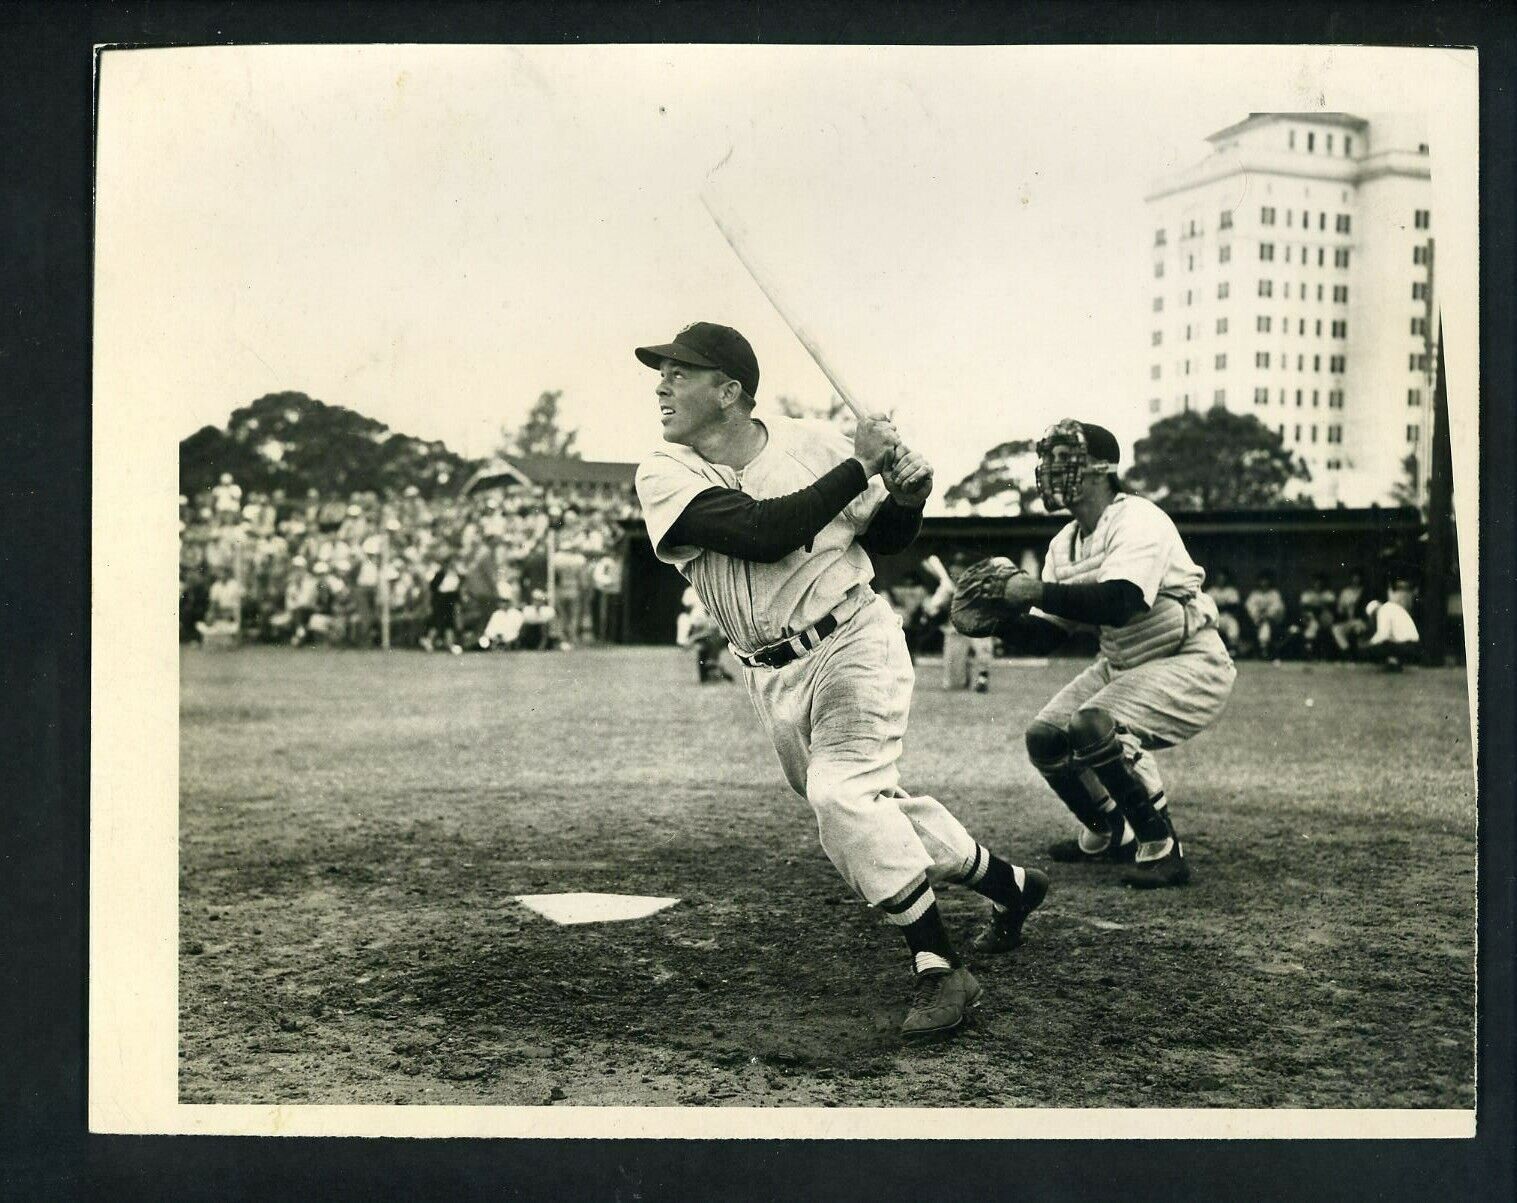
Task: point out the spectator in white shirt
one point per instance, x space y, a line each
1395 636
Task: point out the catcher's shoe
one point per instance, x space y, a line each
940 1004
1072 852
1003 931
1170 869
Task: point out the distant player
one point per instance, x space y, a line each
695 629
770 521
1162 675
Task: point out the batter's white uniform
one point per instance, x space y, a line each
1166 674
837 715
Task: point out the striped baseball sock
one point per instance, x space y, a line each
915 911
996 879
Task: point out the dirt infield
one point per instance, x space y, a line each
354 827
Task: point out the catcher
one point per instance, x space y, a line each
1162 676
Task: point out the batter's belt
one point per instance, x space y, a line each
1162 631
793 647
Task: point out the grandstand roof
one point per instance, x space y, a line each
548 470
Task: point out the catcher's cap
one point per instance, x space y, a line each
707 345
1101 444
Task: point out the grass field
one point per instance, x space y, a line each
354 826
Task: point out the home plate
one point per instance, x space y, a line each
565 909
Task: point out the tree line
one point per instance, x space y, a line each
1212 460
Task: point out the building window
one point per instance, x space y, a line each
1186 366
1261 359
1159 238
1348 147
1330 144
1300 326
1297 439
1318 330
1300 362
1267 250
1293 139
1411 433
1422 219
1158 337
1340 329
1221 361
1316 363
1298 398
1224 254
1342 223
1419 326
1227 219
1422 148
1335 434
1290 219
1153 372
1159 270
1222 291
1266 216
1314 433
1288 253
1414 396
1314 398
1219 397
1188 296
1221 325
1266 289
1335 399
1311 145
1419 254
1158 304
1340 294
1338 364
1190 263
1261 396
1419 291
1261 323
1340 257
1153 405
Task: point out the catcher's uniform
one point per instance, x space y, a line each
836 712
1165 675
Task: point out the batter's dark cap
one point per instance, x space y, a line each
707 345
1101 444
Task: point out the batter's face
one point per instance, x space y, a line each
690 400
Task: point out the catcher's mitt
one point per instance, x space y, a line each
979 600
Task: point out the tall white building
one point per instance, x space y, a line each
1292 279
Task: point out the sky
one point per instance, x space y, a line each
434 235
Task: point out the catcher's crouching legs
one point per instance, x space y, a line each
1133 784
1107 835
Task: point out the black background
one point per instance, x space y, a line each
46 132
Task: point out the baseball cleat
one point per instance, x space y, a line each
1171 869
940 1004
1072 852
1003 931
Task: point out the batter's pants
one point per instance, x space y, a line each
837 719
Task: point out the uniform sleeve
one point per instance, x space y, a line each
1138 549
664 488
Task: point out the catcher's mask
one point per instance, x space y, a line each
1070 453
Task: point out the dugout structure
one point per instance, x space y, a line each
1291 545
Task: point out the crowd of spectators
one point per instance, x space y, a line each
1349 623
458 573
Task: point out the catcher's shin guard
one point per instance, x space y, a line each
1093 735
1050 751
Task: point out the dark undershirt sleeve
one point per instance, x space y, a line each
732 523
893 528
1101 603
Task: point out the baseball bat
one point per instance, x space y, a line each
737 238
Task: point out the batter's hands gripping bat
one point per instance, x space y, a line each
737 238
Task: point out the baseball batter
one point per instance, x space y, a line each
1163 673
771 522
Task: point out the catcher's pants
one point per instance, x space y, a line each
963 656
1155 705
837 718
